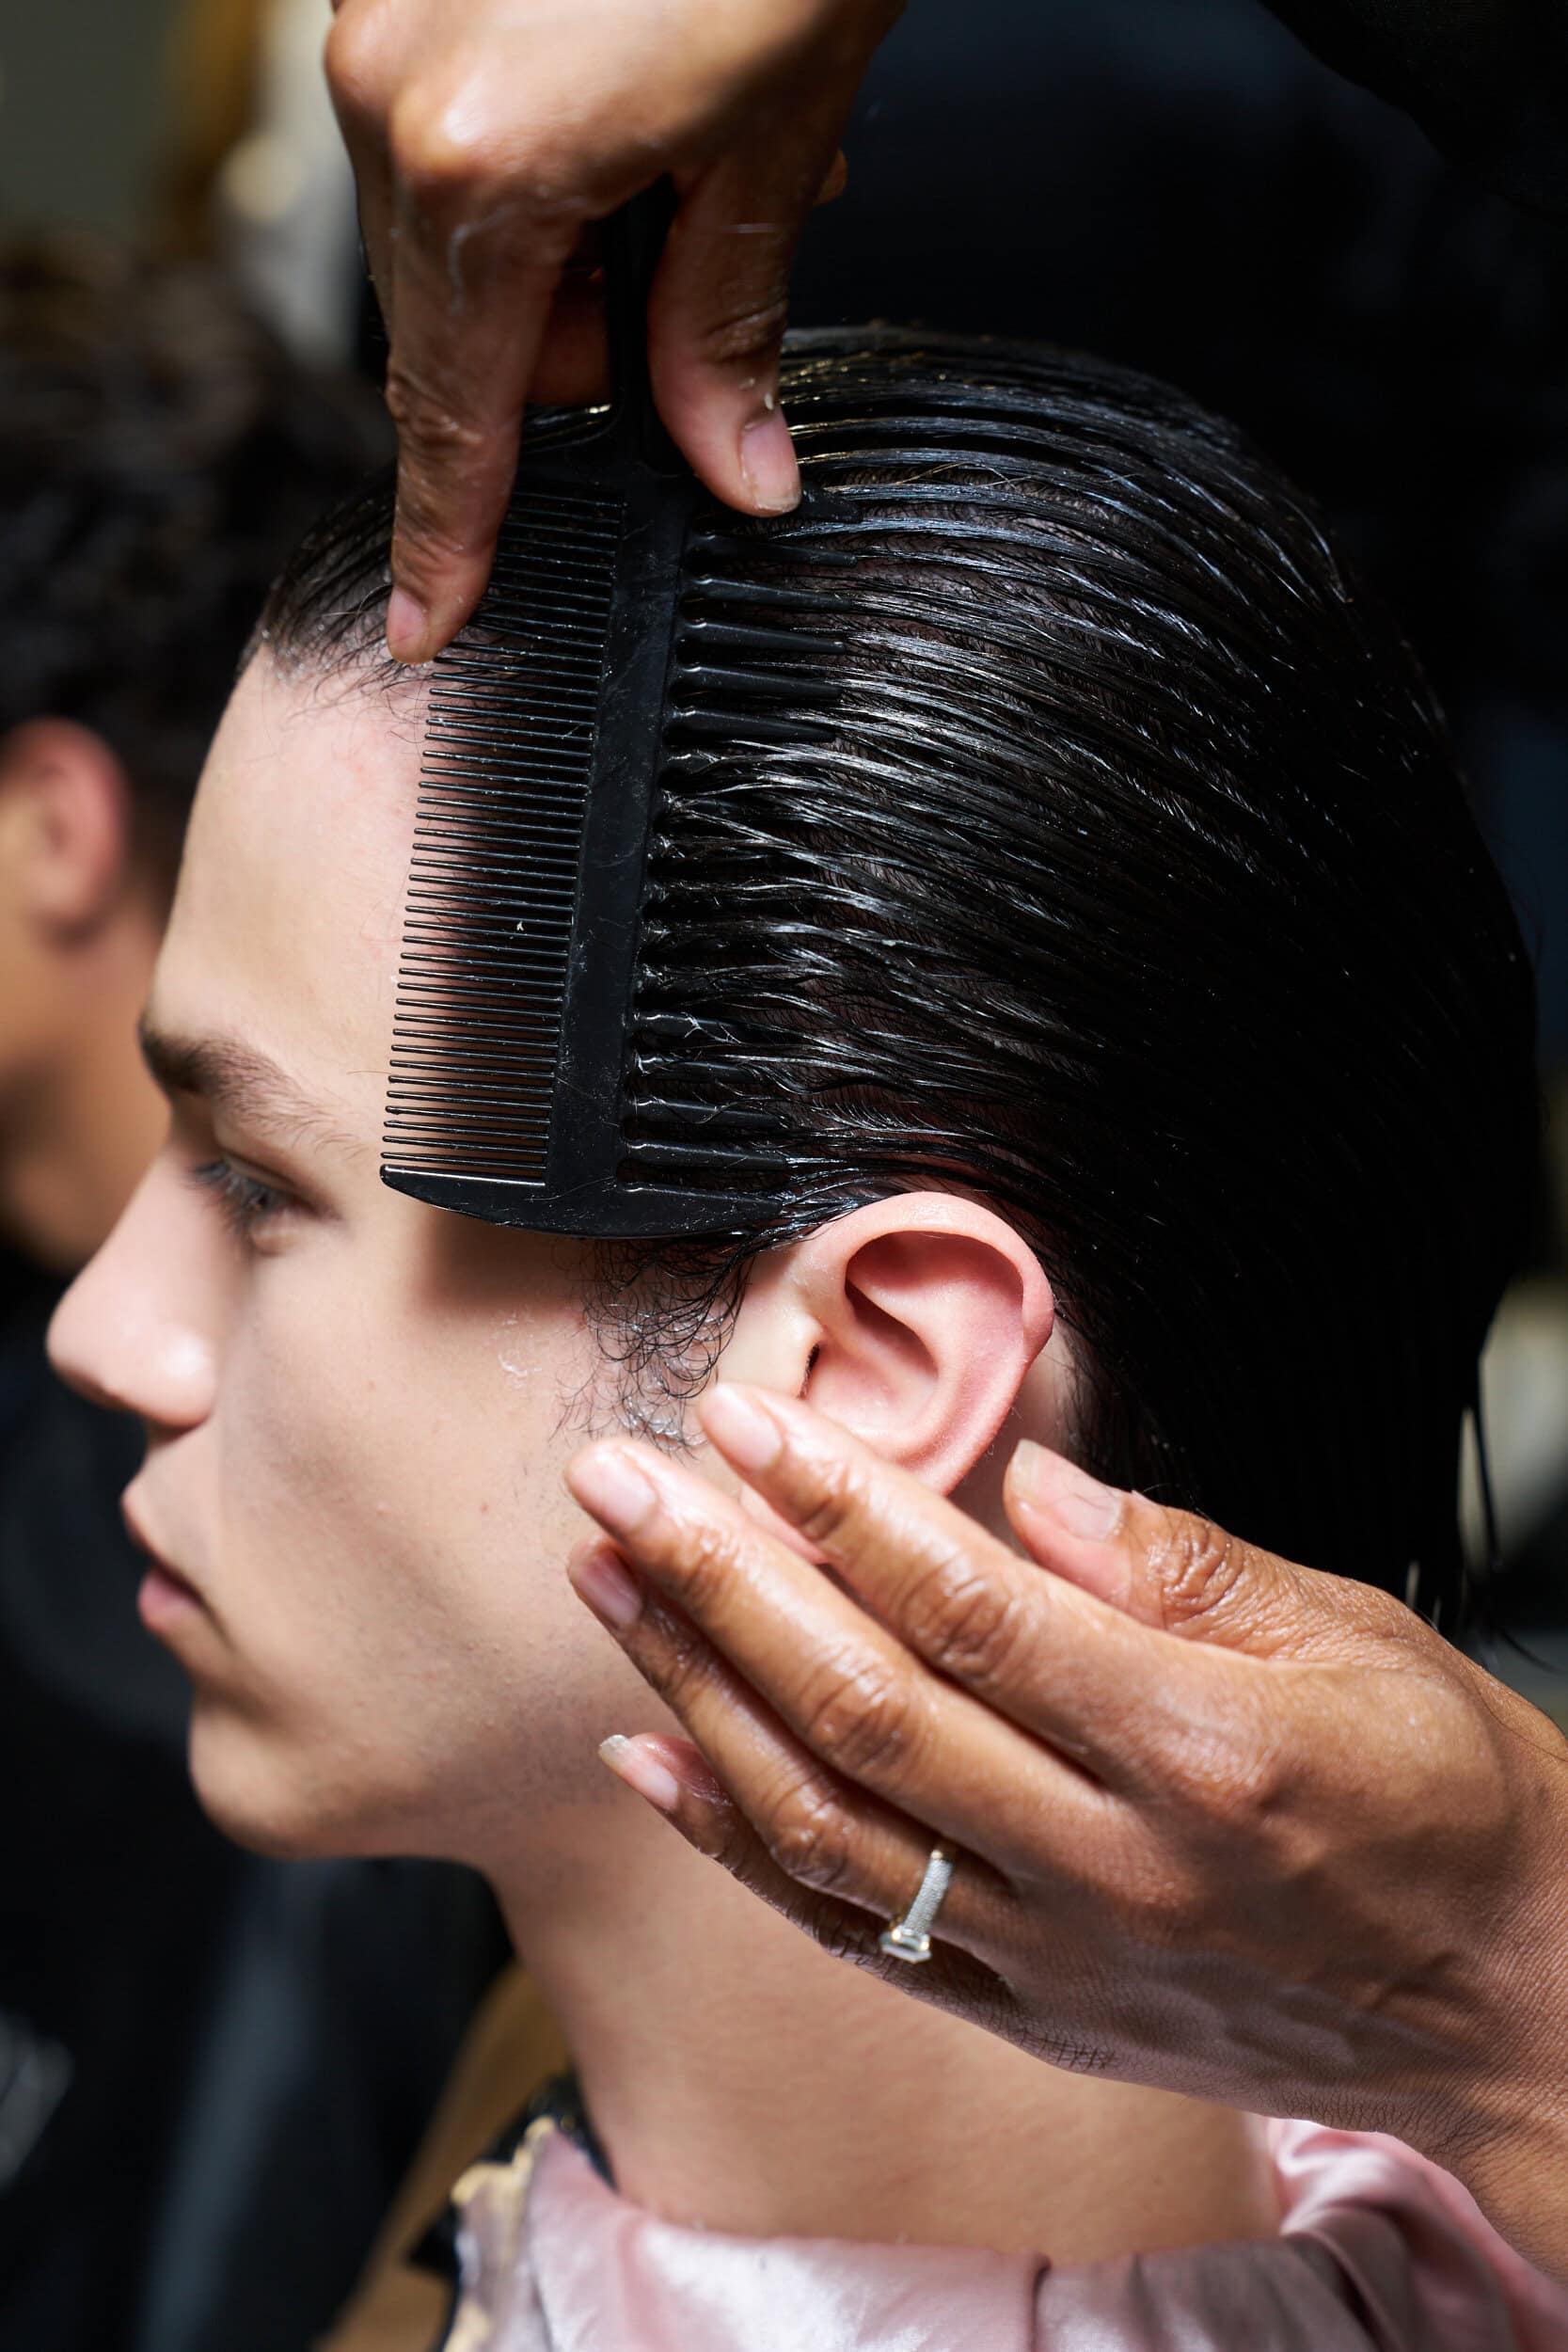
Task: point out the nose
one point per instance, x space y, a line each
136 1331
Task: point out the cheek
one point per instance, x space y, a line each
324 1571
393 1522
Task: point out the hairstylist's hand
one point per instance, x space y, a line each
487 137
1222 1824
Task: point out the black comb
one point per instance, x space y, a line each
605 631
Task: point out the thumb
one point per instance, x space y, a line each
1168 1568
716 315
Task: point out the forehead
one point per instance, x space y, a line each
289 911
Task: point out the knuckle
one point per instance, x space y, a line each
441 140
700 1564
1231 1780
809 1836
839 1502
676 1659
863 1719
353 66
969 1625
458 157
429 429
749 333
1200 1568
727 1837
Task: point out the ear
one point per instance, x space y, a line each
912 1323
65 826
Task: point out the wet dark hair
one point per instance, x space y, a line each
1135 892
160 454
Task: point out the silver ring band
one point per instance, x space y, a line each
910 1938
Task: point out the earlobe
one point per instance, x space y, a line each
913 1322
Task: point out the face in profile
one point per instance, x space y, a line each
357 1407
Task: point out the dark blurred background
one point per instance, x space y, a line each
1177 184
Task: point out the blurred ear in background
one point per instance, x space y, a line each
67 859
214 2069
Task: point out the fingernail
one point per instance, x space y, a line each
768 465
640 1770
603 1581
407 627
1065 1493
613 1488
742 1429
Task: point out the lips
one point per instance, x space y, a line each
166 1588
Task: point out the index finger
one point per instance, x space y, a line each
470 305
1058 1662
840 1683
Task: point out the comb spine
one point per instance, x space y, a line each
586 1127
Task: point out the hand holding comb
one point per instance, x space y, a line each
608 630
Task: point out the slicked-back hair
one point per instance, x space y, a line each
1134 892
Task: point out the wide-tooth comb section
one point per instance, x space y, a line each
756 654
743 669
498 852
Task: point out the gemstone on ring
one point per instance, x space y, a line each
910 1937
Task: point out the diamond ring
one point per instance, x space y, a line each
910 1938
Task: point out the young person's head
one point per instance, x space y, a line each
160 452
1123 981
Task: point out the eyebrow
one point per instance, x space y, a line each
254 1091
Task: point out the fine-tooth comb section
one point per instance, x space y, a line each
498 851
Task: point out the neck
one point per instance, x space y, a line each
740 2080
79 1128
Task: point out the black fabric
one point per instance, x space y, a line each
111 1877
213 2069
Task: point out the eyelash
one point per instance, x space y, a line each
245 1202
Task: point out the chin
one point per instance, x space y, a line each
289 1805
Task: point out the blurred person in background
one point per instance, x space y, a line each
213 2067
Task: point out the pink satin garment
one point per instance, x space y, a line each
1377 2252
